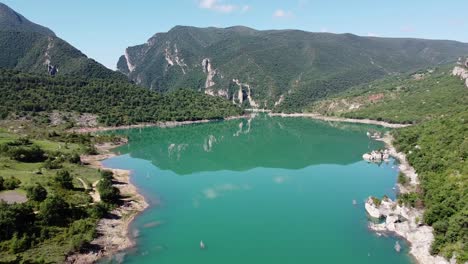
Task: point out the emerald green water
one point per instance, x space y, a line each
268 190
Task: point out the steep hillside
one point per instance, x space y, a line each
29 47
283 68
12 21
412 98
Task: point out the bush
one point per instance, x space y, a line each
52 164
64 179
402 179
37 193
26 154
11 183
74 158
107 175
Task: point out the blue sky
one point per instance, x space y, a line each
102 29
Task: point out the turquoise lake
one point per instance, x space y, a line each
261 190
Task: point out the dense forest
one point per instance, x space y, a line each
438 150
116 102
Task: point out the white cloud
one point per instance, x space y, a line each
280 13
245 9
324 30
217 6
370 34
407 29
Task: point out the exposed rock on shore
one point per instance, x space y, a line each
377 156
401 220
404 222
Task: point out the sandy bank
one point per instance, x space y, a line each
402 220
340 119
157 124
113 231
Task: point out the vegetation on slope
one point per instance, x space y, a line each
438 150
116 102
301 66
405 99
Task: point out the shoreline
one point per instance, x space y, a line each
341 119
113 233
418 235
165 124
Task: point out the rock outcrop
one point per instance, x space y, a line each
405 222
462 72
244 93
377 156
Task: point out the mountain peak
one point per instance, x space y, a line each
10 20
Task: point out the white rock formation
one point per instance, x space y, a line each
280 100
377 156
405 222
240 94
372 209
130 66
210 72
172 58
461 72
50 45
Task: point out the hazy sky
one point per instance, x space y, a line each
102 29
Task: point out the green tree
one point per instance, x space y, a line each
54 211
37 193
64 179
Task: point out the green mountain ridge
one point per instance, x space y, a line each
13 21
281 69
29 47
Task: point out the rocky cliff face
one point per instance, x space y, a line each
267 69
461 70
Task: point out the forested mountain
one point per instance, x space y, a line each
283 68
115 102
30 47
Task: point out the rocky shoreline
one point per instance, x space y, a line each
341 119
401 220
113 232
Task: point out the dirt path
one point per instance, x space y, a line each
85 185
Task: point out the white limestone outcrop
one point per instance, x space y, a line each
461 72
240 94
172 57
130 66
377 156
405 222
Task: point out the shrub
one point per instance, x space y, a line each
11 183
26 154
64 179
37 193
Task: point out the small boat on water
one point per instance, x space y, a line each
202 245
